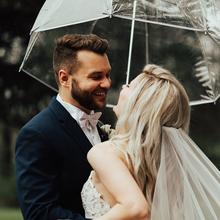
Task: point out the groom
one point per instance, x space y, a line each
51 149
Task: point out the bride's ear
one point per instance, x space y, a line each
64 78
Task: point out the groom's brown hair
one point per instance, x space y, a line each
67 46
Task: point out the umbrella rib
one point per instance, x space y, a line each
41 81
161 23
29 49
207 101
73 23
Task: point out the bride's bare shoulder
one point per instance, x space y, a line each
101 149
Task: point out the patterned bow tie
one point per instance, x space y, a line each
90 121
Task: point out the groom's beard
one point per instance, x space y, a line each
84 97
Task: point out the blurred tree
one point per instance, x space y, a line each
21 96
205 129
19 93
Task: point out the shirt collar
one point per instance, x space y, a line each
75 112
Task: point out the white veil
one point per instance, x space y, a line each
188 184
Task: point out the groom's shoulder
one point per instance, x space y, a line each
40 120
37 122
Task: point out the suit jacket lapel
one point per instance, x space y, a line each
70 125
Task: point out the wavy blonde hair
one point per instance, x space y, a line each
158 100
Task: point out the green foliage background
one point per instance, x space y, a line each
22 97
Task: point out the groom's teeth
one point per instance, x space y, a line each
100 93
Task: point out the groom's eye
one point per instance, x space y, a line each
96 76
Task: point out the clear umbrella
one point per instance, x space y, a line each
180 35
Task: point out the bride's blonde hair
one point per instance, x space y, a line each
158 100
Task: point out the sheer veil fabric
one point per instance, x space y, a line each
188 184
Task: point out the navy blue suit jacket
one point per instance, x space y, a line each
51 165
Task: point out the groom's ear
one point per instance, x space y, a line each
64 78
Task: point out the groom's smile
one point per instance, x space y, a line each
91 81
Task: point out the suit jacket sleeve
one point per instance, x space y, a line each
36 175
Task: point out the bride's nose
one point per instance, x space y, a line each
125 85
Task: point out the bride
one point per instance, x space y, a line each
150 168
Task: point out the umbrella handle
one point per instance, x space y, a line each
131 42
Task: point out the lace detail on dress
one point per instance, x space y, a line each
92 201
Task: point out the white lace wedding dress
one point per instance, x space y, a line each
93 203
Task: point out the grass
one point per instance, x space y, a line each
10 214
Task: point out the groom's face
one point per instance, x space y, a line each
91 81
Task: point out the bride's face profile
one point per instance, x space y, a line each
124 96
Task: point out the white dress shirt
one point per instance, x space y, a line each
90 132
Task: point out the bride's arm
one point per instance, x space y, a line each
114 174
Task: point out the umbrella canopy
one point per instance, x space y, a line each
180 35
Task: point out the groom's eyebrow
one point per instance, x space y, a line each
95 74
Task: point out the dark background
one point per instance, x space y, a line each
22 96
